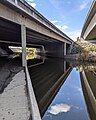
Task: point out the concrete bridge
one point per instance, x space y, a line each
22 25
89 28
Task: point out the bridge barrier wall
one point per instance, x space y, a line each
33 103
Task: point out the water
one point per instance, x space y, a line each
69 102
62 91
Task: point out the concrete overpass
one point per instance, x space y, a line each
22 25
89 28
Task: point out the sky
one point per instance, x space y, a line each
67 15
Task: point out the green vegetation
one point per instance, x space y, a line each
87 51
30 53
87 66
76 49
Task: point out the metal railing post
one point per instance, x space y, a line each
64 49
23 40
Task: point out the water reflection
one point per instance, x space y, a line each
69 103
47 78
69 100
88 80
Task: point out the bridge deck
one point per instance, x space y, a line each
21 12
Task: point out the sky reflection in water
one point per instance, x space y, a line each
69 102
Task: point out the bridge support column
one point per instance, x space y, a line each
23 40
64 49
71 46
64 66
43 49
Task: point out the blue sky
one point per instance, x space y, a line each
67 15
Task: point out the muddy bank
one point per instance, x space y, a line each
8 68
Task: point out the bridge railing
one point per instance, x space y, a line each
36 15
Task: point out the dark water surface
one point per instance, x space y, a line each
64 92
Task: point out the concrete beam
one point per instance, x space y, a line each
88 33
90 23
13 14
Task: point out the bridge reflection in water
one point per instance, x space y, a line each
47 78
48 75
88 81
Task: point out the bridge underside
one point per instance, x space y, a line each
89 29
92 34
10 34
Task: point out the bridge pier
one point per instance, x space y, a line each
65 49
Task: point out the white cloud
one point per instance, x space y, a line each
54 21
62 27
74 34
79 89
83 5
58 26
59 108
30 0
32 4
